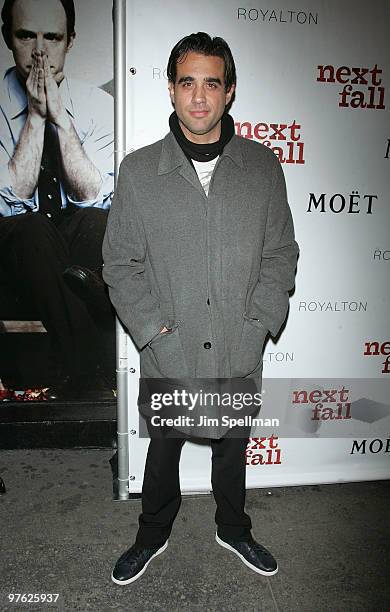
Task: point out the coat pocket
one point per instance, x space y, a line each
169 354
249 356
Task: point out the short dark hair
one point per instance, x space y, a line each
204 44
6 16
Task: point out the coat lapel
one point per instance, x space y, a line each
172 158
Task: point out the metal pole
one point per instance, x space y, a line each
119 15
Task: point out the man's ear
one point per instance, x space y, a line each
71 41
229 94
171 89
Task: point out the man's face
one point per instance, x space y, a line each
199 96
39 28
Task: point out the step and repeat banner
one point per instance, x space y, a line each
57 340
312 86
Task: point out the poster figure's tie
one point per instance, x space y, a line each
49 190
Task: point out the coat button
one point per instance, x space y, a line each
208 301
207 345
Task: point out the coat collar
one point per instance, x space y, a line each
172 156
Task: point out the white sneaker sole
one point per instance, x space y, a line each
252 567
124 582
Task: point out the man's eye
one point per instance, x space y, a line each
187 84
53 37
25 36
212 86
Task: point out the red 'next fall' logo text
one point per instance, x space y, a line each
289 148
367 94
327 404
263 451
375 348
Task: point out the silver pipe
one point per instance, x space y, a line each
119 14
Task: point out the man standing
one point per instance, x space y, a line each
199 256
56 179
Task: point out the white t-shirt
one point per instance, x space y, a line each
205 171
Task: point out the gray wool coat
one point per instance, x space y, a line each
215 270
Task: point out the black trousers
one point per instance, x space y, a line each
161 495
34 252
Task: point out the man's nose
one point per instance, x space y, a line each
198 93
40 46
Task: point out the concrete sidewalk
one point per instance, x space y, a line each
61 533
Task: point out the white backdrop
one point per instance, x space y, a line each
341 300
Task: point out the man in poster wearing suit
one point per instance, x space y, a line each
199 256
56 182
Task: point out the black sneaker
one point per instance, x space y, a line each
132 564
253 554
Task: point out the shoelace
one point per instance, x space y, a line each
137 553
259 548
